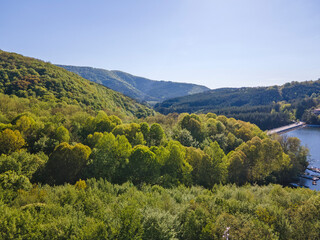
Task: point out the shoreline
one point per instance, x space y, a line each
287 128
313 126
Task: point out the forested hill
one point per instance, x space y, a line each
32 78
69 170
139 88
267 107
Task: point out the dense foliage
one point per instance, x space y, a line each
139 88
267 107
96 209
31 78
182 149
170 170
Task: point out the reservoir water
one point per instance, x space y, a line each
310 137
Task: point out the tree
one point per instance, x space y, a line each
89 127
10 141
211 127
92 140
116 120
211 115
145 129
128 130
103 123
185 138
23 163
159 224
193 124
110 157
298 157
195 157
143 165
223 119
11 180
24 123
156 134
29 129
213 167
138 139
262 158
220 127
176 169
130 223
237 172
66 162
232 142
62 134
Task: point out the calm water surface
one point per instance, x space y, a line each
310 137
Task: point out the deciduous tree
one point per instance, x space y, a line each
10 141
66 162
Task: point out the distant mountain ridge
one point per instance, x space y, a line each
140 88
239 97
268 107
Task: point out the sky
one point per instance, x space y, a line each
226 43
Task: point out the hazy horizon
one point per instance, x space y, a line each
182 81
211 43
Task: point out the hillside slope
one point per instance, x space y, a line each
140 88
267 107
31 78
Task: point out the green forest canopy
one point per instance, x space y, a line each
175 172
268 107
32 78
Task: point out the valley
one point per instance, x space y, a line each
83 161
139 88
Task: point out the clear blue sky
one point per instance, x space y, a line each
214 43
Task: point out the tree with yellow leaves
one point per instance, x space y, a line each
10 141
